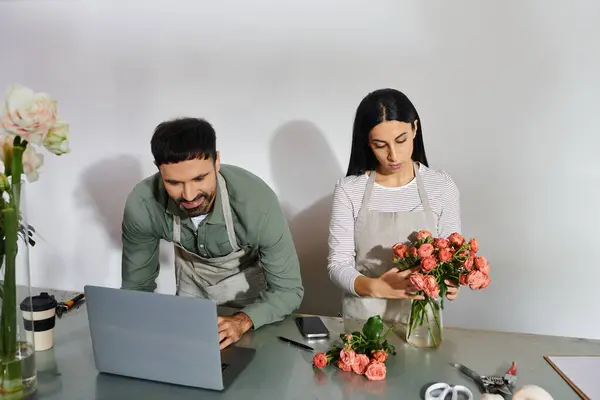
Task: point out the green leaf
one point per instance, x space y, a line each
373 328
333 353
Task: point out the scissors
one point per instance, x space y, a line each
493 384
442 390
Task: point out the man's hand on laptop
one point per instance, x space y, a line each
232 328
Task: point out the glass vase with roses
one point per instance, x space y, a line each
439 260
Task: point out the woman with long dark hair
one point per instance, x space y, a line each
389 193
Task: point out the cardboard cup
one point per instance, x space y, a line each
39 318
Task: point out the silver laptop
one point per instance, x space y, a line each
161 337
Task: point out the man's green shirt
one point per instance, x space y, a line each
259 222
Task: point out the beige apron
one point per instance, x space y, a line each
234 280
374 235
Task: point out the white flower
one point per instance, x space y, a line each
57 140
32 161
27 114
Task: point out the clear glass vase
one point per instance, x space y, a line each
425 326
18 376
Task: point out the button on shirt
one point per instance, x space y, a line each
259 222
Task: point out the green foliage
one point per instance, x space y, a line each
370 339
373 328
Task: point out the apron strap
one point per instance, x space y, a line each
422 195
227 212
367 194
176 229
425 201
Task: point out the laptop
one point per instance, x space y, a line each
161 337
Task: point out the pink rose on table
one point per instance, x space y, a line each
413 252
320 360
361 361
425 250
474 244
376 371
431 288
456 239
441 243
428 263
380 356
476 279
482 264
444 255
347 356
343 366
469 262
417 280
400 250
423 234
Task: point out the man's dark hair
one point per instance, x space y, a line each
183 139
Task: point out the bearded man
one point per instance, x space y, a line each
231 238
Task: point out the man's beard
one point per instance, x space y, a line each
202 209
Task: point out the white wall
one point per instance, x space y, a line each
508 94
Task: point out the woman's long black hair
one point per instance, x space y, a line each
380 106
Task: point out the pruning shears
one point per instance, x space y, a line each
493 384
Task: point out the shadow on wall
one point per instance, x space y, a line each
305 172
104 188
106 185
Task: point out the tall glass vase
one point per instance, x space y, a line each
18 377
425 326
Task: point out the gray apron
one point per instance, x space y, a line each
374 235
234 280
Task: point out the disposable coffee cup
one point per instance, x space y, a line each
39 318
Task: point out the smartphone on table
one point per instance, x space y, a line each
312 327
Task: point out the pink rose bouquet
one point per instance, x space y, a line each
440 260
362 352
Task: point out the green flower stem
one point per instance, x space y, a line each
429 328
437 321
17 170
419 316
11 376
10 379
388 332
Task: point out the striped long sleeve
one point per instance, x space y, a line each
443 197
